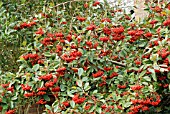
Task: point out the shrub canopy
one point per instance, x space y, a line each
92 59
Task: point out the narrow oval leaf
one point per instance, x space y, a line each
79 83
147 78
72 103
80 71
36 67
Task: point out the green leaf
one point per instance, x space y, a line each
14 98
127 104
145 83
55 109
154 77
23 1
46 97
36 67
80 71
99 110
92 108
62 87
47 54
86 86
4 100
72 103
158 18
1 3
48 107
147 78
142 73
24 43
84 79
12 104
88 33
5 107
79 83
154 57
69 94
168 75
153 74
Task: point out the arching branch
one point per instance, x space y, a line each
70 2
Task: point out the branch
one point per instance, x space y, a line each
114 62
70 2
117 63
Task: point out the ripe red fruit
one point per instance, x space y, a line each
165 85
89 43
75 69
96 3
106 30
81 18
119 107
46 77
40 93
56 89
118 30
148 34
41 101
25 87
157 9
10 89
40 61
121 86
61 69
66 103
103 106
107 68
10 112
40 31
114 74
86 5
49 84
87 107
145 108
42 89
168 7
137 62
132 32
136 87
156 42
97 74
104 39
59 34
29 94
78 100
91 27
166 22
106 20
153 22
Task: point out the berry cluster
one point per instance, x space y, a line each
98 74
78 100
25 25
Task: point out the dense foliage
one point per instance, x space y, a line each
92 59
12 42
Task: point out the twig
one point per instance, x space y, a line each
27 109
38 109
114 62
117 63
70 2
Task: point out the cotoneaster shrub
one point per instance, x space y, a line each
93 60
